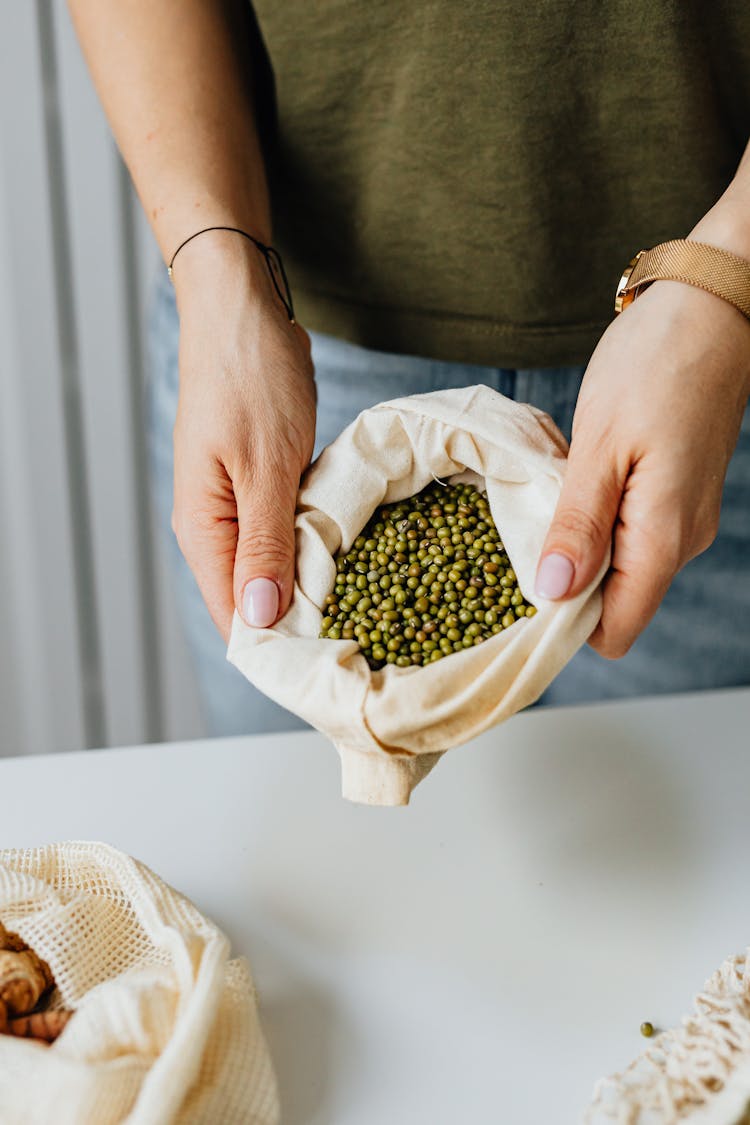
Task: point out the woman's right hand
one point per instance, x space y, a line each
175 84
244 432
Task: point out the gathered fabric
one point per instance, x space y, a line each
166 1028
390 727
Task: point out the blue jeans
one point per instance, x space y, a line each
699 639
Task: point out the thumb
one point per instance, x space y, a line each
581 530
264 562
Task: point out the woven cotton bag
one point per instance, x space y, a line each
166 1028
391 726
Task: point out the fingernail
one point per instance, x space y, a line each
260 602
554 577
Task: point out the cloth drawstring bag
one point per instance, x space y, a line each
391 726
166 1028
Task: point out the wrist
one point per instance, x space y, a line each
727 224
222 265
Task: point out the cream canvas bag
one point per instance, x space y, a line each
390 727
166 1028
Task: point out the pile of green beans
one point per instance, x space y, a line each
427 577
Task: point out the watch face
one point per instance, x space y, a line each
625 297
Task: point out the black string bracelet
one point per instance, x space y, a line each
273 262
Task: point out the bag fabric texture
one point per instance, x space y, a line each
391 726
698 1072
166 1027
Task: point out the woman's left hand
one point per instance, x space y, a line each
656 423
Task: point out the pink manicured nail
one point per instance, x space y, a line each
554 577
260 602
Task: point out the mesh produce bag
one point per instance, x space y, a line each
697 1073
165 1028
391 726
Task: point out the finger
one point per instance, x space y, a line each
643 565
264 565
206 529
581 530
662 525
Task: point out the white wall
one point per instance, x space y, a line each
90 650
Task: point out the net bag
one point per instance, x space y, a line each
391 726
698 1072
165 1028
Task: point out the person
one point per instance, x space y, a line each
455 190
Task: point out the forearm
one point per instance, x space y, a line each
727 224
168 75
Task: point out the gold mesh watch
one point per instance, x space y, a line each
717 271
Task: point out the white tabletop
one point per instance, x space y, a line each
481 956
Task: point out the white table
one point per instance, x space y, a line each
482 956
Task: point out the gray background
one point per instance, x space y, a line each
91 652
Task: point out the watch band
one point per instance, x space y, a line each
707 267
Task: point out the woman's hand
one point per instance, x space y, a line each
656 423
174 83
244 432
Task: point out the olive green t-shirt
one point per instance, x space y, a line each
466 180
